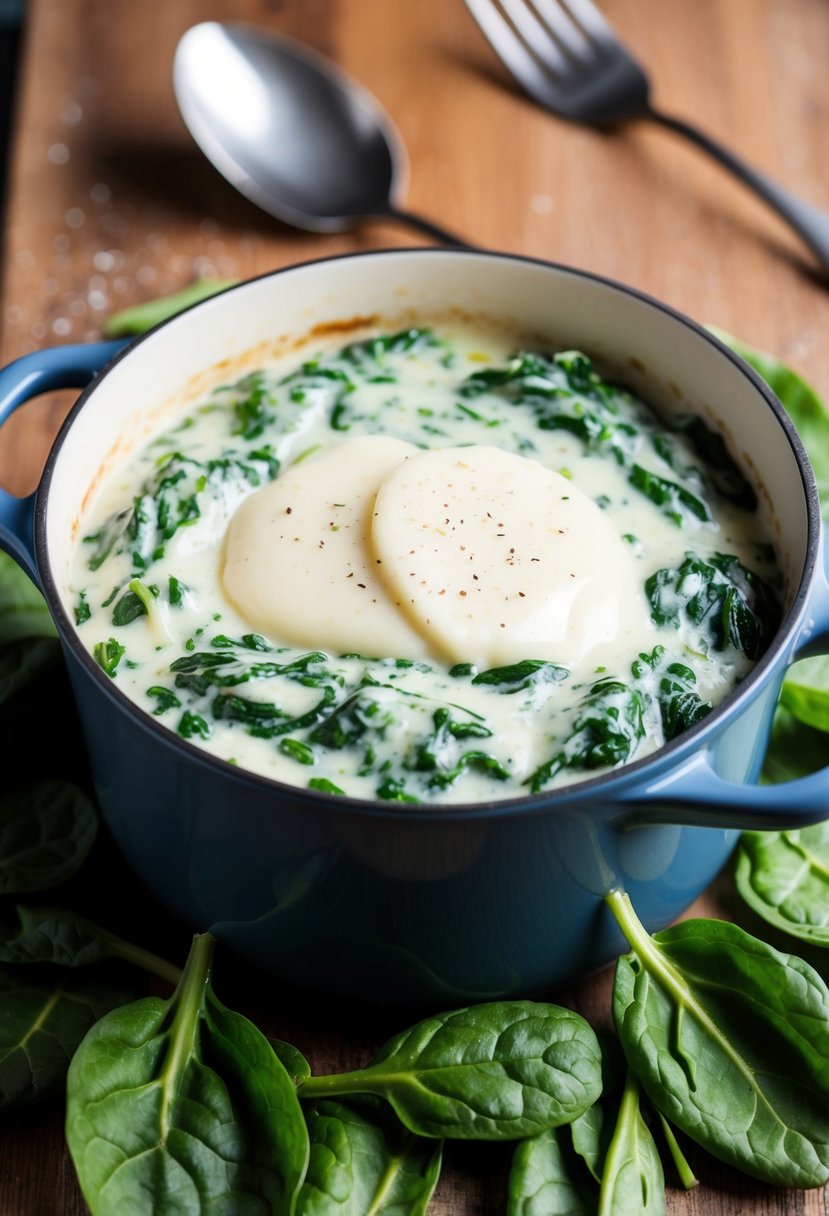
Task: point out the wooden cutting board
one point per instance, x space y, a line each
110 204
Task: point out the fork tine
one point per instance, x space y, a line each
535 35
560 25
588 17
587 77
510 49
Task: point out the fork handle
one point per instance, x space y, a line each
810 222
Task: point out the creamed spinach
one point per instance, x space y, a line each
150 605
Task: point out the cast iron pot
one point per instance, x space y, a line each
383 902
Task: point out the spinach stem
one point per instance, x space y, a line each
686 1174
187 1004
335 1084
659 967
618 1148
139 957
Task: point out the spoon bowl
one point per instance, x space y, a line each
291 131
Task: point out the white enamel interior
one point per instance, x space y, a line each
668 361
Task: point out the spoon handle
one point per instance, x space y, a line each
442 235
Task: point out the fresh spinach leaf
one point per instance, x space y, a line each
502 1070
633 1182
51 935
23 610
794 750
546 1178
63 938
141 317
292 1059
590 1137
43 1018
685 1174
730 1041
784 877
364 1161
800 401
23 661
184 1103
805 693
47 829
590 1133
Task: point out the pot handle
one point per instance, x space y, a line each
696 795
43 371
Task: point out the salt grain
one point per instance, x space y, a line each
58 154
541 204
71 113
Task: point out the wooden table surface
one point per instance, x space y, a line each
110 204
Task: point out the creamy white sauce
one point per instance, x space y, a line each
443 594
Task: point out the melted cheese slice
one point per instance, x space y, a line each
297 562
467 554
496 558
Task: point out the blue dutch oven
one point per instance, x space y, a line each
388 903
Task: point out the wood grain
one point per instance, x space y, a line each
110 204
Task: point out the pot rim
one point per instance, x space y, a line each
669 757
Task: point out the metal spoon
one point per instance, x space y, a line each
291 131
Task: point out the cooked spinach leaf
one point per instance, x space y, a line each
729 604
678 502
720 467
108 655
171 499
563 391
516 677
607 726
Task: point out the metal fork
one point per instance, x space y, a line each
572 62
